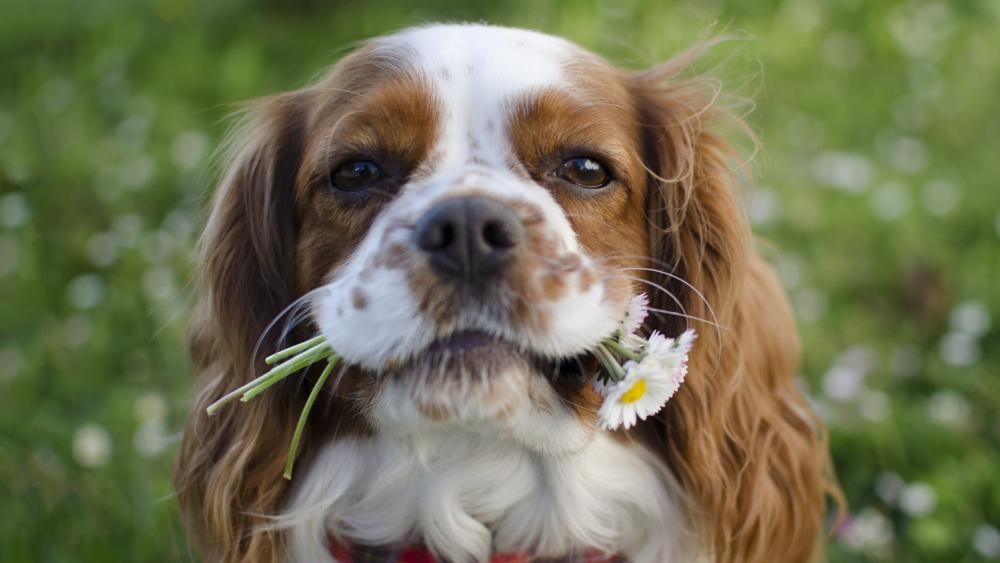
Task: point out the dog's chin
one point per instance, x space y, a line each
476 381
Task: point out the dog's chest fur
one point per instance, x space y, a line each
466 496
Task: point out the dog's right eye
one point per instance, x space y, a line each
355 175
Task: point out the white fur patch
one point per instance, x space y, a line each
466 496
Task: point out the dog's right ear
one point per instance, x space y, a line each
226 472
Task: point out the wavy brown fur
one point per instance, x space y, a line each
228 472
739 434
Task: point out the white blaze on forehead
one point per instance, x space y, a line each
476 71
478 74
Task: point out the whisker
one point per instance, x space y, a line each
686 284
718 327
299 302
654 285
671 275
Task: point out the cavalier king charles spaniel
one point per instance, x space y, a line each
463 211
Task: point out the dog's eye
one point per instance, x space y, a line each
584 172
355 175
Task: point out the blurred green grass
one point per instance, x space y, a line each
878 187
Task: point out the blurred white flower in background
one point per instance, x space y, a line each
136 172
906 154
158 284
92 446
150 406
189 148
940 198
845 378
846 171
960 349
890 201
763 206
920 28
14 210
128 229
842 383
132 134
86 291
868 530
810 304
972 317
788 267
949 408
969 321
151 437
102 249
888 486
917 499
986 540
874 405
801 16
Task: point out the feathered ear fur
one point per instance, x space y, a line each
228 475
739 434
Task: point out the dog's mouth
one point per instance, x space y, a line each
477 352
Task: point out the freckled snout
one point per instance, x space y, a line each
469 238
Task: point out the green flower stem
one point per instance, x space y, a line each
302 361
214 407
622 350
292 350
609 361
300 426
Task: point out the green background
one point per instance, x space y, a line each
878 186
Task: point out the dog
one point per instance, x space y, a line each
463 211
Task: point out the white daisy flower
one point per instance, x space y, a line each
636 313
648 383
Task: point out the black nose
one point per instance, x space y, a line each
469 238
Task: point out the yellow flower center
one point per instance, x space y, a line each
635 392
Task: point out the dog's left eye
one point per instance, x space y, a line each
584 172
355 175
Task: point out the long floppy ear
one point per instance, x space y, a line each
228 475
739 434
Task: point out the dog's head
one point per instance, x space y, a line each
464 212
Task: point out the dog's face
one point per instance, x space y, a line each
464 211
465 215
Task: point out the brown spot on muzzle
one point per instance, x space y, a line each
358 298
553 286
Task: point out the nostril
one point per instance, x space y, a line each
497 235
436 237
446 235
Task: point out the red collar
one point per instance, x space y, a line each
345 553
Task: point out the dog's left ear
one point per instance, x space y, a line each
739 434
228 473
